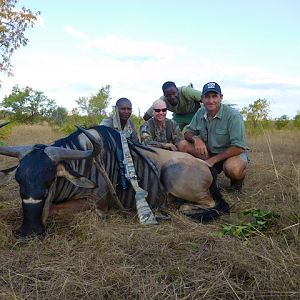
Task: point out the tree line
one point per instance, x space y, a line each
27 105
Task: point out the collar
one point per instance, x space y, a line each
157 124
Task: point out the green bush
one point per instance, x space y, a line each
85 121
282 122
260 220
296 120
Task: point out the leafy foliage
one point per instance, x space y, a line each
13 24
75 119
297 120
256 114
260 221
28 105
95 104
282 122
59 115
137 120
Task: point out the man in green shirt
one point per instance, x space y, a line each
216 134
182 101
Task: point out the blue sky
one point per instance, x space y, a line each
250 48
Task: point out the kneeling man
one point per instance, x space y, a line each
216 134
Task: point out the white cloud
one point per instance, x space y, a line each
113 46
137 69
76 33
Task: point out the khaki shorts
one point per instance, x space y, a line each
219 165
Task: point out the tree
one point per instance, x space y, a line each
28 105
296 120
13 24
59 115
281 122
96 104
256 112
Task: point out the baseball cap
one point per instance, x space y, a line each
211 87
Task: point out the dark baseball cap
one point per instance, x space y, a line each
211 87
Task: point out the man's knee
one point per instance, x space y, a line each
235 167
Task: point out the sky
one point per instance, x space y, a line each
251 48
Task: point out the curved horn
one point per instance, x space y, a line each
95 143
3 124
16 151
58 154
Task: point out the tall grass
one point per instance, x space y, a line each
84 257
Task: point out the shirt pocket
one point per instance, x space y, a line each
222 137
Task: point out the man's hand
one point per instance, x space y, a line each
211 161
170 146
200 146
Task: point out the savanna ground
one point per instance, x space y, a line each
84 257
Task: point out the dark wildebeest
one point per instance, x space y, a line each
83 169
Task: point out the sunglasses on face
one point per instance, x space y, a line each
159 109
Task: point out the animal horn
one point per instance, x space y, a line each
58 154
3 124
96 144
16 151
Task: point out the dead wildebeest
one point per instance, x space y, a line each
83 171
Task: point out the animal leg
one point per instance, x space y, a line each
190 182
75 206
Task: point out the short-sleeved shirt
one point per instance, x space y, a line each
186 104
129 128
224 130
152 135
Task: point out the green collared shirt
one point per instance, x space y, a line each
186 104
224 130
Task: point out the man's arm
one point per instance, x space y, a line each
148 114
146 117
200 149
188 135
191 93
229 152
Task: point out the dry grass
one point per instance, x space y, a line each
84 257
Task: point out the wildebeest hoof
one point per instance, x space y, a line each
162 215
190 208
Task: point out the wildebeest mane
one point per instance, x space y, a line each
112 141
146 170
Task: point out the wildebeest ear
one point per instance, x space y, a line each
74 177
7 174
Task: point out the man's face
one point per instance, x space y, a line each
212 102
125 111
172 95
160 112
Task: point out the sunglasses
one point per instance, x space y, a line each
159 109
